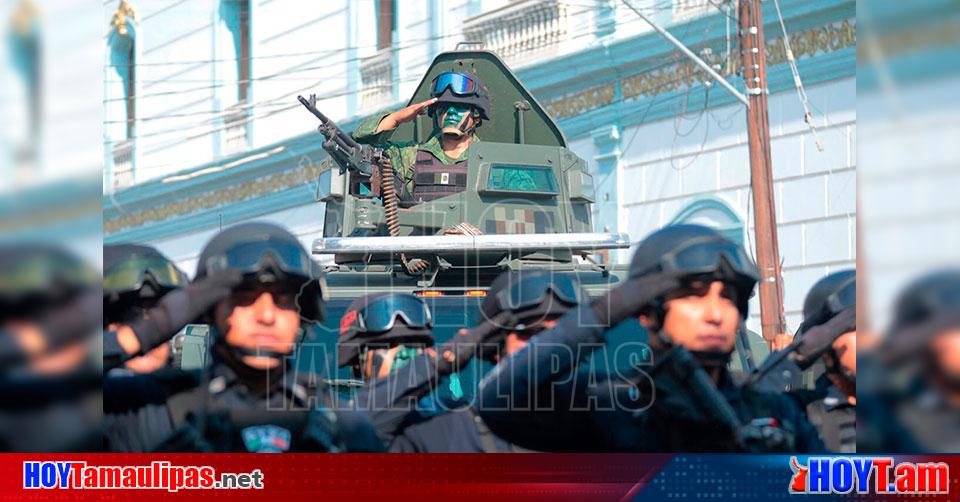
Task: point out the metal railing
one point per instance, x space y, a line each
122 164
235 129
376 74
522 31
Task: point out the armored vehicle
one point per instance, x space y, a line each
544 222
373 242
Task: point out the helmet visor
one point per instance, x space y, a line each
248 257
704 257
530 292
129 274
381 314
39 273
459 84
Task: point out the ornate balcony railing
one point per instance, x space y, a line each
522 31
122 164
235 121
376 74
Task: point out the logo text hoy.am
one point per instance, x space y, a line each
825 475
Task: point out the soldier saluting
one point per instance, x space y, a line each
458 104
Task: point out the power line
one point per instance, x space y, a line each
297 69
281 107
807 116
289 95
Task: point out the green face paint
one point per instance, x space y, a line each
404 355
454 115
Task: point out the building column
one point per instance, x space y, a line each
606 140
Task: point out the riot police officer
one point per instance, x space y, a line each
387 338
49 377
147 301
249 398
381 332
910 392
834 412
689 288
135 278
517 307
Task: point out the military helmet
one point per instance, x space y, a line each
531 296
828 297
926 298
460 88
694 250
386 319
136 275
266 253
36 276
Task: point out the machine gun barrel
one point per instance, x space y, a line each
329 128
344 150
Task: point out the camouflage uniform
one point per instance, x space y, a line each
403 155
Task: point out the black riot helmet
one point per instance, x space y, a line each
135 277
383 319
460 89
36 276
925 299
530 297
828 297
688 251
266 253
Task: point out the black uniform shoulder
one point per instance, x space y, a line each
126 391
454 431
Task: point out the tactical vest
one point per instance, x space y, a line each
433 179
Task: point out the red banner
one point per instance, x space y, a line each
291 477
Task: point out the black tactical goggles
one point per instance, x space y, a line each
381 313
706 256
532 291
130 275
250 257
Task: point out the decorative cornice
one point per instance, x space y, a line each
805 44
259 187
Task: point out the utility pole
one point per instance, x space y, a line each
761 170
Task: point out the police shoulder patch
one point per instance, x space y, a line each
267 438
